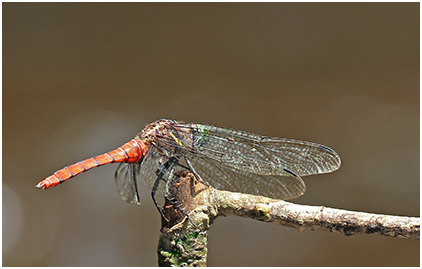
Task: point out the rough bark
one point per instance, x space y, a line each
183 240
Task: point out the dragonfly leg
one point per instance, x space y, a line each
195 173
179 206
154 189
168 167
170 198
174 202
160 173
169 181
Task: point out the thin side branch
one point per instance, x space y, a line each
183 241
304 217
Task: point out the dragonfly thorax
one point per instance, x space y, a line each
168 137
155 130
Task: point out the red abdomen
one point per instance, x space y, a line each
131 152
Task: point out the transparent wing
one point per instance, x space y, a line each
223 177
125 177
151 167
157 170
238 161
257 154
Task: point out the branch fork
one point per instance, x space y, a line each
183 239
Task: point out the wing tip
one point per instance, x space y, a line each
336 159
326 148
299 186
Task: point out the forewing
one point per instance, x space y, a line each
259 154
126 175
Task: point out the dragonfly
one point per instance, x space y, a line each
226 159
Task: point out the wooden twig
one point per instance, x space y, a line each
183 241
304 217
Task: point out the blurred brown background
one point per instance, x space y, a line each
81 79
